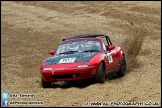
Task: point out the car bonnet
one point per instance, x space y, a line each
69 58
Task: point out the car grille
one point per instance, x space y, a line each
65 76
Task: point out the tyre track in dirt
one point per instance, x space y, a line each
31 29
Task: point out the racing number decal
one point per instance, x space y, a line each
67 60
110 57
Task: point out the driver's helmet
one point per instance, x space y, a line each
74 46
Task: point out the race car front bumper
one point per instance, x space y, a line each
70 74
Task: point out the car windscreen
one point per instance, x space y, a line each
80 45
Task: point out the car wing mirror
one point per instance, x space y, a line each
111 47
51 52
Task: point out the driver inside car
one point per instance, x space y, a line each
73 46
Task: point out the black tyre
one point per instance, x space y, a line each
123 66
45 84
100 75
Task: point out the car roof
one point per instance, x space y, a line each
85 36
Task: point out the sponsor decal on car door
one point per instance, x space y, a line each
112 59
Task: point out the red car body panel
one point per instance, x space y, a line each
71 72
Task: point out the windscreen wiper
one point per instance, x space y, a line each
91 51
68 52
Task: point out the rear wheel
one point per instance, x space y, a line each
100 75
123 65
45 84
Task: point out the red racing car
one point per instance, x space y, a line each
83 57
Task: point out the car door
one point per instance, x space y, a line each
112 59
108 56
111 54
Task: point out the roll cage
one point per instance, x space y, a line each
91 36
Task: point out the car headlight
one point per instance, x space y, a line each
47 69
83 66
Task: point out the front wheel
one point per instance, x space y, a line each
122 70
100 75
45 84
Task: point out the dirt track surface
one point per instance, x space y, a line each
30 29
